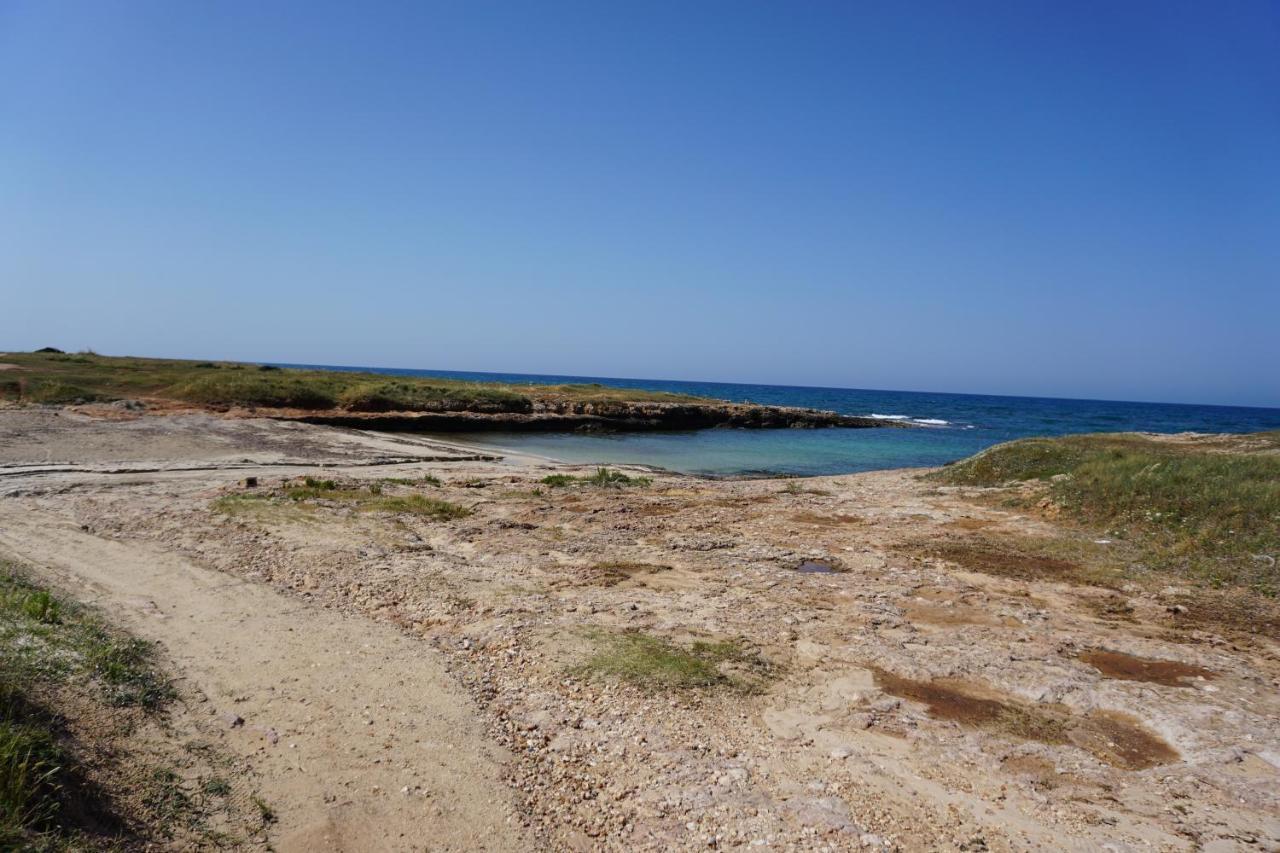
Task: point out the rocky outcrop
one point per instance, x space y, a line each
612 416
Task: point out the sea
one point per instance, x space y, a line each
948 426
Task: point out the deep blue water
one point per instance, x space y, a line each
967 423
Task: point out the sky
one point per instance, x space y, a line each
1076 199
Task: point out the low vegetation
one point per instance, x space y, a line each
45 377
45 638
59 790
604 477
652 663
371 497
614 572
1208 509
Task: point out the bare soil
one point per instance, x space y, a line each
407 683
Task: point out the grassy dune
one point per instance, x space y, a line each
86 377
1207 508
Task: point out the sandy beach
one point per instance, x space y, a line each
406 683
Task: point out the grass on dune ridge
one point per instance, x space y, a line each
61 378
1207 508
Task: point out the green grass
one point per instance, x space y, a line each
59 378
49 643
424 480
279 390
651 663
240 504
33 771
605 477
216 787
366 498
412 396
419 505
1206 509
45 637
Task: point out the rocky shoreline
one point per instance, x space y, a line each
593 417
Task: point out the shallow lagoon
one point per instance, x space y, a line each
952 426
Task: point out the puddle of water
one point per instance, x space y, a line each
1116 739
814 567
1131 668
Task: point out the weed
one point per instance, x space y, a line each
167 800
419 505
265 812
238 504
32 771
605 477
655 664
216 787
55 639
425 480
49 645
368 499
615 479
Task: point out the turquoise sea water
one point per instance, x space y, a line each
953 426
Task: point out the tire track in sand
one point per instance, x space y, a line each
360 711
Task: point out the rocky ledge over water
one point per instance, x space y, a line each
590 416
379 401
562 416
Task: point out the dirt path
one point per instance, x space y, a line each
359 737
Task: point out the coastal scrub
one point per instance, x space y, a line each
1209 509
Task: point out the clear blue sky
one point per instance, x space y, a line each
1072 198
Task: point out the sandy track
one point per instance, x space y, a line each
358 736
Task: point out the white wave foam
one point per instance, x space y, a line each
931 421
891 417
